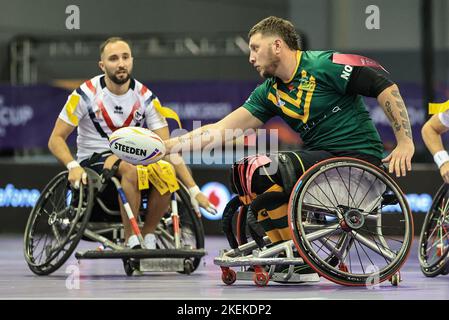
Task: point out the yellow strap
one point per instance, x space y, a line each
167 174
162 176
142 177
166 112
155 180
70 108
435 108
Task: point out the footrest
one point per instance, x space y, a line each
162 265
141 254
251 261
280 277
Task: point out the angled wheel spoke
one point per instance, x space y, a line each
374 246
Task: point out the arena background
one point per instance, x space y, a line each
193 54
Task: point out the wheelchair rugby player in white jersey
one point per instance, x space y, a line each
97 108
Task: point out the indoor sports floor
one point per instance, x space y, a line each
105 279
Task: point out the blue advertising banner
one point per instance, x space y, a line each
28 113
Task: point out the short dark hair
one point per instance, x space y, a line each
279 27
111 40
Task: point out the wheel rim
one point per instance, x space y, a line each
341 212
52 226
434 242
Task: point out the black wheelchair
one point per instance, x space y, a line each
64 215
349 222
434 240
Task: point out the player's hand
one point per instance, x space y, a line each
77 175
198 199
444 171
400 159
205 203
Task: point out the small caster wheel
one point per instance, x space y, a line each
395 279
188 266
131 267
261 278
228 276
445 270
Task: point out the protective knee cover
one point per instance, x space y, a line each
271 209
263 192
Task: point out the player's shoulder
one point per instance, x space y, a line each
317 58
89 88
143 90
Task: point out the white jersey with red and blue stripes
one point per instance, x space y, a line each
97 112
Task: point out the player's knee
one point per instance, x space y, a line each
128 172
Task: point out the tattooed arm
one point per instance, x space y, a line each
214 134
400 159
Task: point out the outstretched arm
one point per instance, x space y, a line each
197 197
199 138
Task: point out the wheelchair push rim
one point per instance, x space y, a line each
56 224
434 239
342 228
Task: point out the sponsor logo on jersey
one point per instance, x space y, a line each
130 150
118 110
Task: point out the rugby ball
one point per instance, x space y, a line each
137 145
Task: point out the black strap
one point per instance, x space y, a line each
287 172
228 214
109 173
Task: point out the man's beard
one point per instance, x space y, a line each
118 81
271 67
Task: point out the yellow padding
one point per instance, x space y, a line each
274 235
285 233
70 108
435 108
279 212
161 175
274 188
166 112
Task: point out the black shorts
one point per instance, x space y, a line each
300 161
108 196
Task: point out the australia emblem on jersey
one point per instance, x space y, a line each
307 84
138 116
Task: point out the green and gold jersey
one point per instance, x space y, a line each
315 104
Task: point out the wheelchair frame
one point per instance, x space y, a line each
179 258
439 209
263 259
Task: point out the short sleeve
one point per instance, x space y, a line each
259 105
154 120
444 118
74 109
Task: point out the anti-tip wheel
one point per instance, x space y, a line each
261 279
228 277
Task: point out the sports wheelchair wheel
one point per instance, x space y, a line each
192 232
434 239
56 223
350 210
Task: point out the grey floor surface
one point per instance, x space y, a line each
105 279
